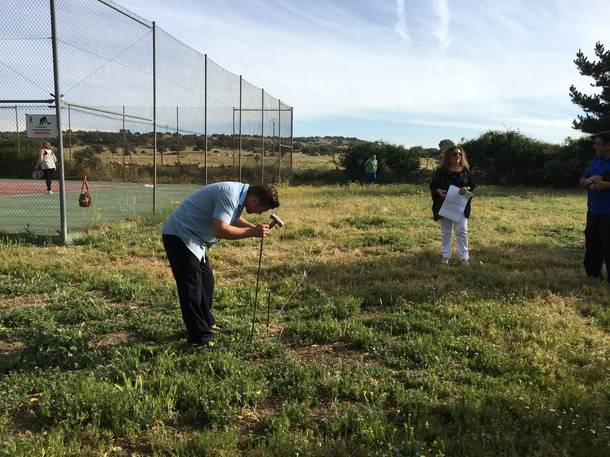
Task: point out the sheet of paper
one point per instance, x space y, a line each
454 203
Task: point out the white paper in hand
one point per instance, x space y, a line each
454 203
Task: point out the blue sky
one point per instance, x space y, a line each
405 71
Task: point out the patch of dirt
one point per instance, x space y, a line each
248 418
8 347
114 339
333 354
22 301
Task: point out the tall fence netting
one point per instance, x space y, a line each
117 73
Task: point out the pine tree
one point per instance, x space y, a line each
596 107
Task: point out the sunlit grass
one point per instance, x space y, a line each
380 350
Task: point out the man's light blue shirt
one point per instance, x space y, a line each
193 220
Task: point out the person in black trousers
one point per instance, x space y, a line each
47 162
596 180
201 220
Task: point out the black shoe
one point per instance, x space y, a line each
210 346
223 330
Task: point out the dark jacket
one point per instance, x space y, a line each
442 179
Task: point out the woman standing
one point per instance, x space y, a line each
454 170
48 163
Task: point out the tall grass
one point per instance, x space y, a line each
381 350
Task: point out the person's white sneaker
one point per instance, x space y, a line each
49 191
445 260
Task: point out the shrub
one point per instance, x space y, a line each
566 167
396 164
509 157
87 159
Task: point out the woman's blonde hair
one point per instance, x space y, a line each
446 160
46 145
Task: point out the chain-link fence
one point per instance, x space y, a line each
145 117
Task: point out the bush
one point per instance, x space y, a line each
396 164
87 159
566 167
509 157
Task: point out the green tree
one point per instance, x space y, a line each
597 106
444 144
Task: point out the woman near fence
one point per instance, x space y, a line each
454 170
47 162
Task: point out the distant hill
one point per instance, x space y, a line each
323 145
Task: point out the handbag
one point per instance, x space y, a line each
84 198
37 174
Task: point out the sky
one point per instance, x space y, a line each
411 72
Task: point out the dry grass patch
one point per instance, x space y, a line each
10 347
337 354
116 339
23 301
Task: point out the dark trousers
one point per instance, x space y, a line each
48 176
597 245
195 284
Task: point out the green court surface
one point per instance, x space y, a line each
26 209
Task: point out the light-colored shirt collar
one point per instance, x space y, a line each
242 197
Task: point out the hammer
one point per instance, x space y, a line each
275 220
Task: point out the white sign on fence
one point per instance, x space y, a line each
41 125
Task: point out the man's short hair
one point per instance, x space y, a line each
605 136
266 193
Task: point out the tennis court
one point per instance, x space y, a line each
25 207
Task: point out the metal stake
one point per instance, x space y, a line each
268 308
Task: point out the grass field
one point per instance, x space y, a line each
380 351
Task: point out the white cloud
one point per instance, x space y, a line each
401 24
441 31
507 63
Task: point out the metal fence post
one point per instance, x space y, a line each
291 140
279 140
178 144
154 76
60 141
17 130
70 132
234 174
240 116
205 119
262 136
124 143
